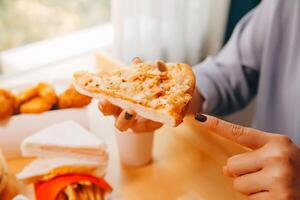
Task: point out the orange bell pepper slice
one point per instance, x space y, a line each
48 190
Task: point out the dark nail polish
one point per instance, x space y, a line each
128 116
200 117
135 58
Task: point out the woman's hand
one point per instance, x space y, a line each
270 171
126 119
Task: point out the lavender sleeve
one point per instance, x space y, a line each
229 80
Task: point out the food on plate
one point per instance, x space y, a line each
7 104
155 90
27 94
39 98
70 163
35 105
3 173
70 98
47 92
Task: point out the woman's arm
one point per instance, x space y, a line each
229 80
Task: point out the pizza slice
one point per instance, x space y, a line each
157 90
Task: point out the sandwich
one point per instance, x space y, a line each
70 163
66 139
158 91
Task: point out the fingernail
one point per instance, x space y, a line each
199 117
136 60
128 116
161 65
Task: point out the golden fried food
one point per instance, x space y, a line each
70 98
7 104
79 191
98 193
27 94
61 196
47 92
35 105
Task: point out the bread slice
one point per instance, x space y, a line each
157 91
65 139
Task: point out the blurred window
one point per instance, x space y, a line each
26 21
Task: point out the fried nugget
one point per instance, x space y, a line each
7 104
35 105
27 94
47 92
70 98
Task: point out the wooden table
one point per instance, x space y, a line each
187 164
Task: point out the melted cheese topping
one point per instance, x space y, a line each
146 84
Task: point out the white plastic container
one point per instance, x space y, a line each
135 149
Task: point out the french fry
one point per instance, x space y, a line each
97 193
82 193
90 192
70 193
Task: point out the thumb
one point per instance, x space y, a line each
248 137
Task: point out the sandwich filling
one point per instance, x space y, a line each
100 153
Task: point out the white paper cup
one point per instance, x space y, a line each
135 149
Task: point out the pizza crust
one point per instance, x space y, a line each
161 96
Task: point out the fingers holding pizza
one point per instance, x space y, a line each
128 119
143 96
108 108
